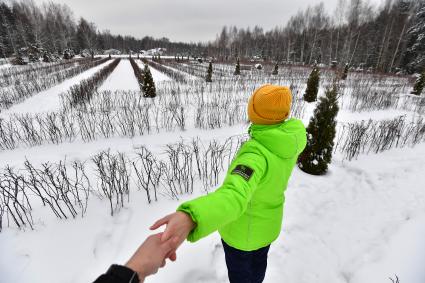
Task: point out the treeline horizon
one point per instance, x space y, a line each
388 38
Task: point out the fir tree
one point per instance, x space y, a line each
345 73
312 85
148 83
208 78
237 71
276 69
414 57
419 84
320 135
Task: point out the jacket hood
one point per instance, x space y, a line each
285 140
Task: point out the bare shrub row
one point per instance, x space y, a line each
84 91
377 136
19 92
65 188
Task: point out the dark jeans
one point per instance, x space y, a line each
246 267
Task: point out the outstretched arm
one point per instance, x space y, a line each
202 216
148 258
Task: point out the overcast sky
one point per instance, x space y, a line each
187 20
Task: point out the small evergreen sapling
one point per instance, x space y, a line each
237 68
345 73
310 94
148 87
208 78
320 135
419 84
276 69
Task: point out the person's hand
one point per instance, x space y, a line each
179 224
151 255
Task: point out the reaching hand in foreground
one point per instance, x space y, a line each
179 225
151 255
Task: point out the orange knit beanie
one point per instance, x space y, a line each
269 104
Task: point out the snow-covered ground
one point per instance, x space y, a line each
121 78
362 222
49 100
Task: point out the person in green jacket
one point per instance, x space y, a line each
247 209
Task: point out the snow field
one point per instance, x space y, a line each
359 223
49 100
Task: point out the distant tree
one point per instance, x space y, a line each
312 85
46 58
414 57
208 78
86 36
237 71
419 84
276 69
345 72
320 135
148 88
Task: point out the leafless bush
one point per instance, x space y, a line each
175 75
113 178
378 136
65 191
83 92
38 82
138 73
14 200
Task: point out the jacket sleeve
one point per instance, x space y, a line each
228 202
118 274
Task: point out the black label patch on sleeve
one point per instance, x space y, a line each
243 171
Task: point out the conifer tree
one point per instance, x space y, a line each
237 68
148 87
345 73
276 69
208 78
419 84
320 135
312 85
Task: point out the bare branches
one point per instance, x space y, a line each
113 178
65 188
378 136
83 92
23 85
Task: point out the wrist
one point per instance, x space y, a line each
137 269
189 219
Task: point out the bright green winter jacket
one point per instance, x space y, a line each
247 209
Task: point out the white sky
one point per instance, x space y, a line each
187 20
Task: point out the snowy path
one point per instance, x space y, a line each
122 78
49 100
347 226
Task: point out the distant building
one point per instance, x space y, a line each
112 52
155 51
